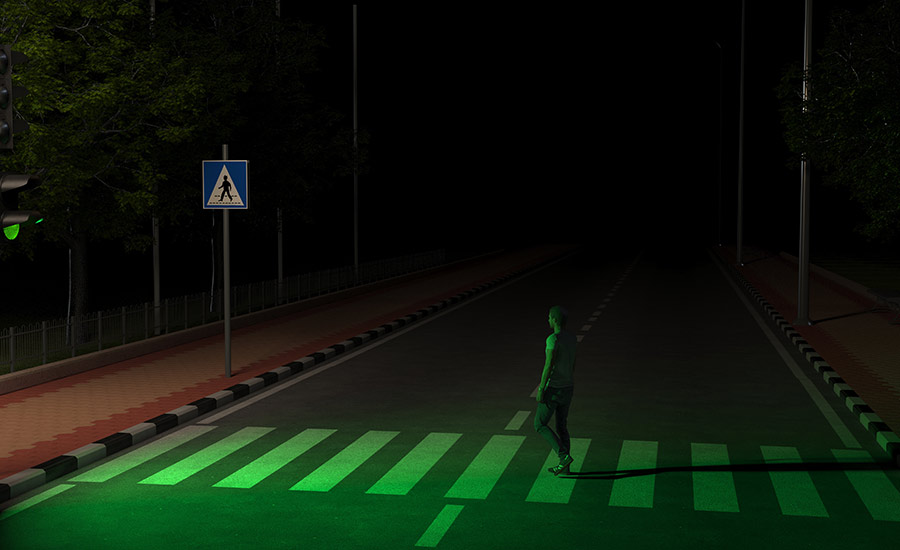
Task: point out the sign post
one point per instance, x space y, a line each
229 177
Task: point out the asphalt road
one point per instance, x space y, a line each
692 425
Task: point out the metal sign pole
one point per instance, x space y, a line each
226 273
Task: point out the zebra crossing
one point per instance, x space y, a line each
633 477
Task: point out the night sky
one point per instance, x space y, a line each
519 124
508 125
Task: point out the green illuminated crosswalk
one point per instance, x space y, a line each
272 461
630 482
326 476
713 490
207 456
486 468
402 477
796 493
637 459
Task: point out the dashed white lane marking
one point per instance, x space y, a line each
36 499
435 532
579 337
517 420
585 328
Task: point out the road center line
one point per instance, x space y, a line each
439 526
517 420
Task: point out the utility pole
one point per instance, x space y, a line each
226 272
155 225
355 160
279 291
719 172
740 189
803 256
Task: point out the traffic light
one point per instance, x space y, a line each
8 93
10 217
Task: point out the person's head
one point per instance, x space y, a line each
558 317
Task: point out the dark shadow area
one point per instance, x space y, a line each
768 467
842 316
754 258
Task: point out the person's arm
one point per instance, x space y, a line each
545 375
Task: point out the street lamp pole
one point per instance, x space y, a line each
803 256
740 189
719 173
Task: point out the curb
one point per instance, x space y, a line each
32 478
884 436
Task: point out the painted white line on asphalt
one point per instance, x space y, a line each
136 457
585 328
827 411
592 319
517 420
36 499
579 337
439 526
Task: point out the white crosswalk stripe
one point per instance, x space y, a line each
712 487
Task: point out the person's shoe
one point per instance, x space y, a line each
562 466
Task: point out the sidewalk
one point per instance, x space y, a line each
855 349
62 417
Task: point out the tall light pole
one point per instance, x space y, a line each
719 173
155 226
803 255
355 160
740 189
278 219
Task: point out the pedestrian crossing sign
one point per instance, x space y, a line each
224 184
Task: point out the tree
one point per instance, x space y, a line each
102 94
122 111
850 127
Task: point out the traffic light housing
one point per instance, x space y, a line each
10 216
8 93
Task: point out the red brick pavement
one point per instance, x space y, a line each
42 422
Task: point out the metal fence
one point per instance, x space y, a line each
47 341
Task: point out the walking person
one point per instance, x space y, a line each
226 189
557 385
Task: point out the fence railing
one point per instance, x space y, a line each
43 342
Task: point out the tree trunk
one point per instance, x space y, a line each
77 241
